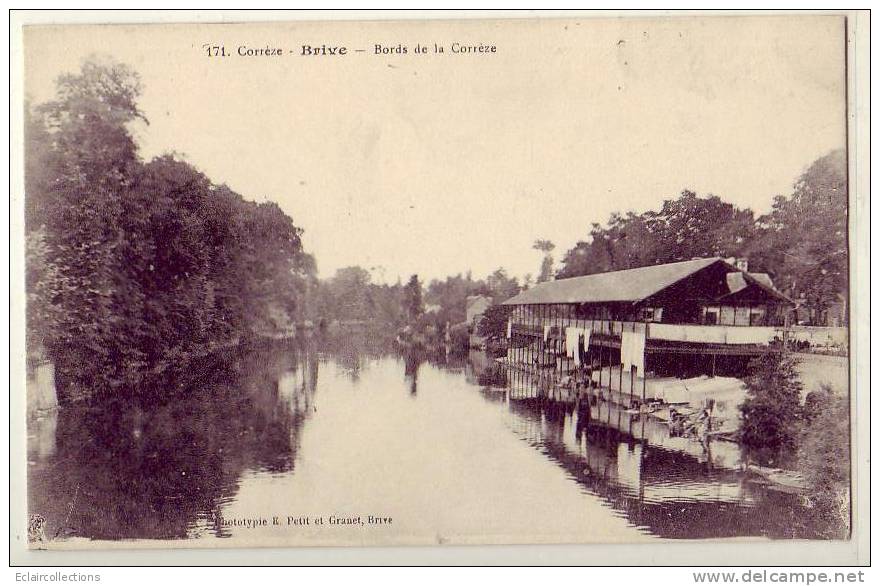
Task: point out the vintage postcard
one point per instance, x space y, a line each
559 279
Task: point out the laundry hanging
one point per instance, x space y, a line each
632 351
509 327
586 334
547 332
572 336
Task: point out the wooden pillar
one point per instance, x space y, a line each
519 340
645 365
530 326
632 382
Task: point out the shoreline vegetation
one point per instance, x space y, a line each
135 268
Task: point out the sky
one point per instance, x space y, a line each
439 164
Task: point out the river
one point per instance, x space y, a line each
283 445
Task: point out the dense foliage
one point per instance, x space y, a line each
802 242
133 266
775 427
493 326
351 296
772 412
824 459
686 227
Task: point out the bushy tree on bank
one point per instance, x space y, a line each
493 326
133 266
772 413
824 460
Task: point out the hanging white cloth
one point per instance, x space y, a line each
572 336
509 327
632 351
586 334
546 332
625 344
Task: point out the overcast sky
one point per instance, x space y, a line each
439 164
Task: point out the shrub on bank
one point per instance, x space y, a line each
824 460
772 413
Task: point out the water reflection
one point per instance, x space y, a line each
456 440
131 470
413 361
674 487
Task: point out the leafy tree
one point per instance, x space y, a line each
135 267
546 247
803 240
84 162
692 226
501 286
771 413
349 290
686 227
451 295
493 326
412 299
628 241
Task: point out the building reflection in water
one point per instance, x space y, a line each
672 487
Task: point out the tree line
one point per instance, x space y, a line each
801 242
351 295
133 266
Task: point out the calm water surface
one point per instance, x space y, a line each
450 451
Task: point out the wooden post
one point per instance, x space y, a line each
531 328
632 381
645 365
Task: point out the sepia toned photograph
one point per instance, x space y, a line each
573 279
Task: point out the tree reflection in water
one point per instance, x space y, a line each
141 469
136 468
412 361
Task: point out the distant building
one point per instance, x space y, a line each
475 307
836 314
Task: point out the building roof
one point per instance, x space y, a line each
630 285
472 300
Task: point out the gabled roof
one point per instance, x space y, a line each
630 285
